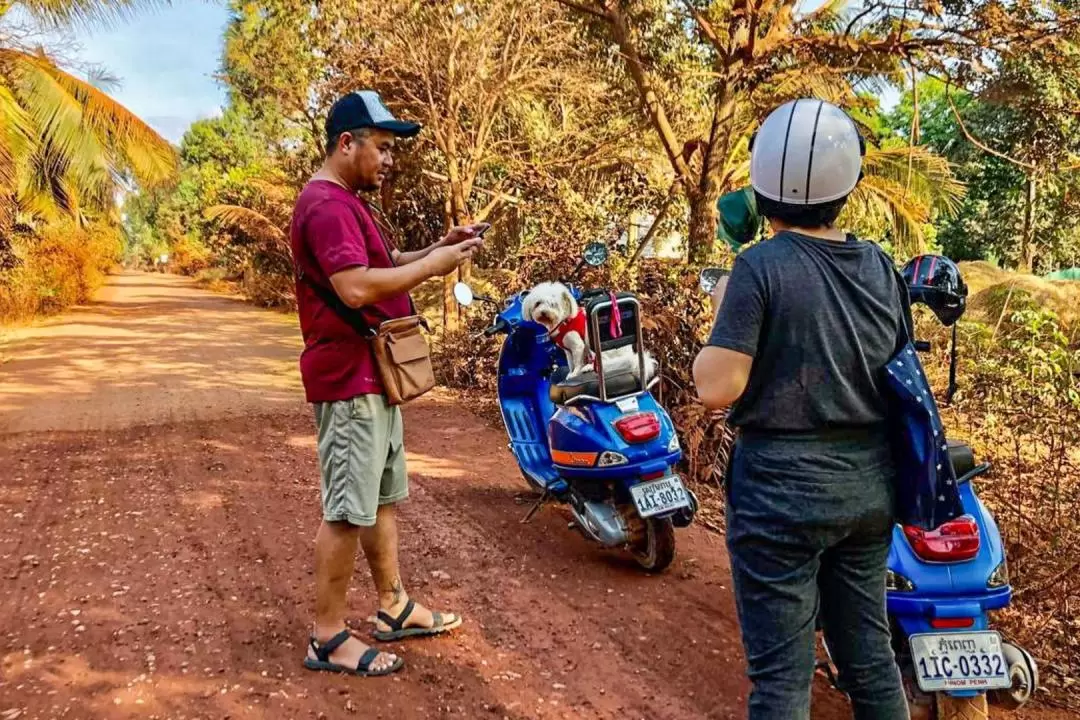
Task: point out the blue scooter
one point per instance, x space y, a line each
599 443
941 585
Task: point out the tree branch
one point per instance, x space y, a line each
974 141
705 26
588 9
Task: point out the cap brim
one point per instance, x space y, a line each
400 128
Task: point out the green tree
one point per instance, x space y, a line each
1016 143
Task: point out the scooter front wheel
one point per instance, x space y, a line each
654 549
954 708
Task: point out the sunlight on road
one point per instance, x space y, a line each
150 348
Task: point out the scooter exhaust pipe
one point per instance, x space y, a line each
599 521
1025 678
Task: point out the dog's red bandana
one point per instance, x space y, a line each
575 323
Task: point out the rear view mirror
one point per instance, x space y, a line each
463 294
709 277
595 254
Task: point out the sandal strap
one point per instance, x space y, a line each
366 659
323 651
397 623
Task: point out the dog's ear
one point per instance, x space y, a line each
569 305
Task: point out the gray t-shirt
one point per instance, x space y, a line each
820 319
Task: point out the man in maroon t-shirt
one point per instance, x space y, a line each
339 250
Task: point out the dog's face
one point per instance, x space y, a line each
549 304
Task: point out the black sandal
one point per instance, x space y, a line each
363 668
398 629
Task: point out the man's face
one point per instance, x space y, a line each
366 158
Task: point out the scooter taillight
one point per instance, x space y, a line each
639 427
954 541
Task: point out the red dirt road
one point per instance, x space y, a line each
157 515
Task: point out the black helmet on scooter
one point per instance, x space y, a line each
935 281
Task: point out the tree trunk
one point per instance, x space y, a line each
650 100
702 230
1027 239
457 215
703 213
450 311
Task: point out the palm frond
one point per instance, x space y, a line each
920 172
62 134
57 13
905 187
152 158
16 133
248 221
882 198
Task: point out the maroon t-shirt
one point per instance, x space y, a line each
333 230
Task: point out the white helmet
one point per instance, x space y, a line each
807 152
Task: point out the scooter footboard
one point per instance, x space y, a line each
528 439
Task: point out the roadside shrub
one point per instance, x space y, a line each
60 267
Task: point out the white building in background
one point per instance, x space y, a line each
664 246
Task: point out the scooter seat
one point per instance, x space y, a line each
563 390
961 456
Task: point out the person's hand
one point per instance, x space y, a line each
448 258
462 233
718 293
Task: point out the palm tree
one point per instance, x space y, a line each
65 145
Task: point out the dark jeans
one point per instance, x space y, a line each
809 525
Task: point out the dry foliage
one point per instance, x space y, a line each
61 267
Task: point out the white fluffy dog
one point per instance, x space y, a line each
552 305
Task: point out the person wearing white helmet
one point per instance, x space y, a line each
804 324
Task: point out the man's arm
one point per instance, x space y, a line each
361 285
455 236
722 368
721 376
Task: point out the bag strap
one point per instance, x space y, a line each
351 316
385 229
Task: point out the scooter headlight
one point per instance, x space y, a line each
1000 576
673 444
895 582
611 459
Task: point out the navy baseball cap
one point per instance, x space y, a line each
365 109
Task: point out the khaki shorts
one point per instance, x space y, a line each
361 458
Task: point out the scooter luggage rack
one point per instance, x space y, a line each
639 345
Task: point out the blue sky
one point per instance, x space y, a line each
165 59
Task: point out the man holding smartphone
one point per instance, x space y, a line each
345 264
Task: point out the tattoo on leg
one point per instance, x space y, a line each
399 590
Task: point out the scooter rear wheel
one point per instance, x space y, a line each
655 549
954 708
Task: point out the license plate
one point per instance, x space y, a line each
659 496
959 661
